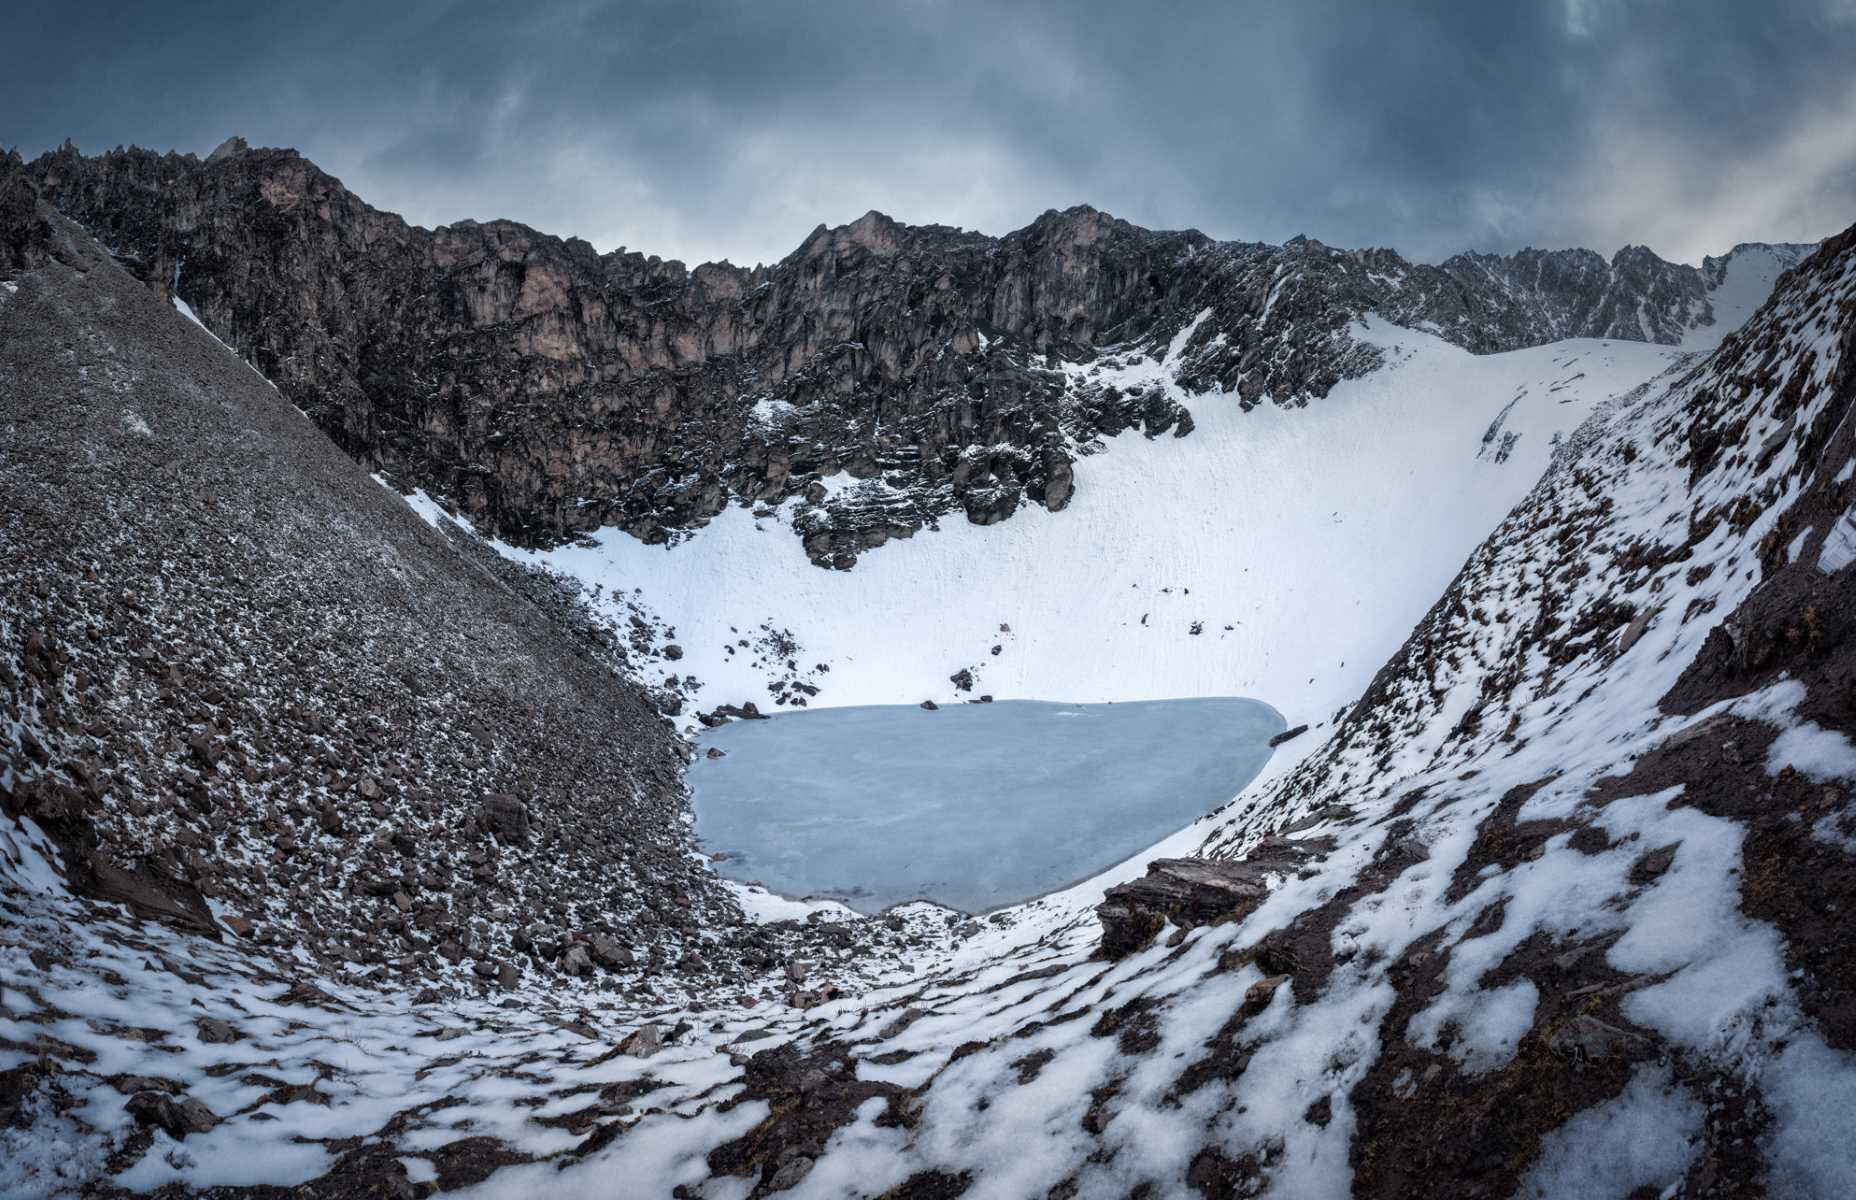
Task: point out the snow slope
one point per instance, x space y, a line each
1302 542
1738 283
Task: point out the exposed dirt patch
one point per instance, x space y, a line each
1423 1118
1803 883
812 1093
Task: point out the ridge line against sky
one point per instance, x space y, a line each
717 130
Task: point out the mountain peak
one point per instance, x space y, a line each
229 148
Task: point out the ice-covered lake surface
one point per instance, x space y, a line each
975 806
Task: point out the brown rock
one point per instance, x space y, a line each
1259 994
216 1032
643 1042
506 816
178 1115
1194 891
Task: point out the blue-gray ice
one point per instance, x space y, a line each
976 806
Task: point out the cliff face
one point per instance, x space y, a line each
546 389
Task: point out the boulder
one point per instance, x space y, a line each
790 1173
505 816
177 1115
1586 1039
609 953
1189 892
643 1042
1259 994
215 1032
990 505
1638 626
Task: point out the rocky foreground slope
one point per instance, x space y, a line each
1556 911
546 389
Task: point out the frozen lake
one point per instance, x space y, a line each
975 806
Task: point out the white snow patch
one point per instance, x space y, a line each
186 310
47 1149
1839 549
1746 285
1721 967
427 507
1645 1137
1832 828
419 1170
762 906
1811 1090
769 411
1489 1024
1823 754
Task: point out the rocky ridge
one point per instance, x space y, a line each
881 376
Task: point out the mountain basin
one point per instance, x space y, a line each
974 806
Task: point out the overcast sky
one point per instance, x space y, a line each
707 130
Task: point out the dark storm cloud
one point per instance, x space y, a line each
730 129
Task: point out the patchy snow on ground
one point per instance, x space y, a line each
1463 858
762 905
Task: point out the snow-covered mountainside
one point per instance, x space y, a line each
1547 903
1251 558
546 390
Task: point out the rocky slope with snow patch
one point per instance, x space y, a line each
1598 807
245 690
1555 910
546 390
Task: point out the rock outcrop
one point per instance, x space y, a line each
1189 892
